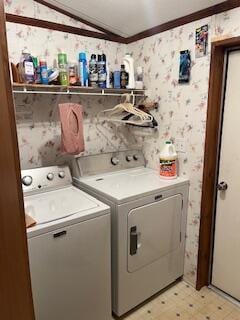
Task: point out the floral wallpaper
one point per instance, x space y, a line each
183 107
39 142
39 129
30 8
182 111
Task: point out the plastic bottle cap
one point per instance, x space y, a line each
25 50
35 62
62 58
168 142
82 56
101 58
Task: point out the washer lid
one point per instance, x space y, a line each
126 185
57 204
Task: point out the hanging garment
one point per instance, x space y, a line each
71 117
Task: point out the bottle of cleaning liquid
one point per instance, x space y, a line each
63 71
72 74
168 161
43 71
83 73
139 78
128 61
37 71
102 71
26 66
123 77
93 72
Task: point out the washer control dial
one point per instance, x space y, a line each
27 180
61 174
135 157
50 176
129 158
114 161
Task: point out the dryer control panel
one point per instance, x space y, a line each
107 162
41 179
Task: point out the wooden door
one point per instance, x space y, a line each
226 254
15 287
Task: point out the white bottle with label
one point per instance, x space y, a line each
128 62
168 161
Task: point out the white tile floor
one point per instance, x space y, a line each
183 302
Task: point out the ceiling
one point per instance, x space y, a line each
129 17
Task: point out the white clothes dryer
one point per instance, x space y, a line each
148 217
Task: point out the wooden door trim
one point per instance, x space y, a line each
213 127
15 286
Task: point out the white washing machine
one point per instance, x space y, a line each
69 247
148 218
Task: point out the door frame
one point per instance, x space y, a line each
15 285
211 155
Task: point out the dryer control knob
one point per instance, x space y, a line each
61 174
50 176
135 157
27 181
115 161
129 158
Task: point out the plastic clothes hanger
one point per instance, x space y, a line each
145 105
125 108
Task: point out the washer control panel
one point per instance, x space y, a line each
40 179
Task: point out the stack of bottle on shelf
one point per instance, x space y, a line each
86 74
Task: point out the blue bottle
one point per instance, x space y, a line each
117 79
83 72
43 71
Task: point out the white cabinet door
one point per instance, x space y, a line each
226 256
154 231
70 272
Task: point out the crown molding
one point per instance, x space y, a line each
107 35
198 15
75 17
61 27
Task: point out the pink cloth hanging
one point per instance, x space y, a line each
71 117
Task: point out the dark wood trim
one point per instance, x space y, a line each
221 7
211 157
15 286
61 27
108 35
75 17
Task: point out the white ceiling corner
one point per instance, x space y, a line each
128 17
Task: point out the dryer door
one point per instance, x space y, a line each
154 230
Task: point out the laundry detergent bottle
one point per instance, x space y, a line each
168 161
128 62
